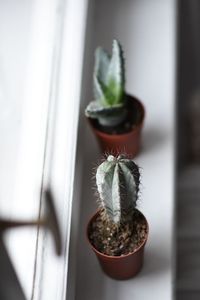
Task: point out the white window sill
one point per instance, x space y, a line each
147 31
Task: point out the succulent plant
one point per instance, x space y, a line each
118 180
109 106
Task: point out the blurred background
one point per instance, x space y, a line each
187 150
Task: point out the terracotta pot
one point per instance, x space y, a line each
120 267
128 142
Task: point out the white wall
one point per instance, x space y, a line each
15 27
14 51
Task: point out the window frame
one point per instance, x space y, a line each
60 154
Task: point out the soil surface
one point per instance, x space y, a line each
114 240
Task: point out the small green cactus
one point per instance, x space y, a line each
118 180
109 85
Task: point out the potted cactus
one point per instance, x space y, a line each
116 117
118 231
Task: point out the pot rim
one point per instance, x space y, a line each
134 129
120 256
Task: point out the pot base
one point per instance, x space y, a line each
124 268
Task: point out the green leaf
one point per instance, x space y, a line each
96 110
129 188
99 93
102 60
108 187
115 75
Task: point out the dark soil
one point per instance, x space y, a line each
134 117
114 240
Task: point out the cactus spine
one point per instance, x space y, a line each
109 84
118 180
